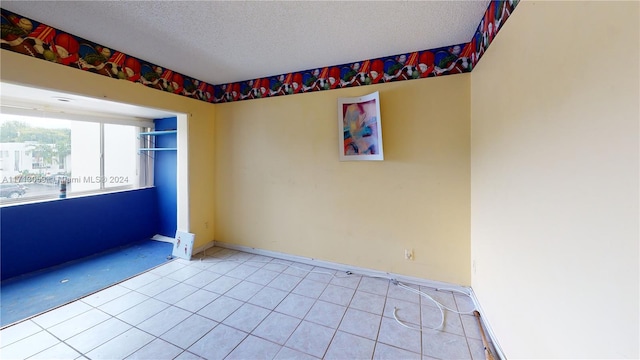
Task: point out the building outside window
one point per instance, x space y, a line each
38 153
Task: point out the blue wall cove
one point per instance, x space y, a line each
165 177
39 235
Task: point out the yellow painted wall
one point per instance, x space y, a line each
281 187
20 69
554 181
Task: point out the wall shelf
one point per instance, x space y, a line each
158 133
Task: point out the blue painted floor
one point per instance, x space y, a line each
27 295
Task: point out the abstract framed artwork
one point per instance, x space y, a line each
359 127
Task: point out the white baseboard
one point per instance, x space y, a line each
345 268
162 238
202 248
368 272
489 331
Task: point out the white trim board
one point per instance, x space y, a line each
343 267
202 248
489 331
162 238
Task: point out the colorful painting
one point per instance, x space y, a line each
359 128
32 38
183 245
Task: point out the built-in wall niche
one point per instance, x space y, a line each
17 98
162 145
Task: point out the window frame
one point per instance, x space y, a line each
145 166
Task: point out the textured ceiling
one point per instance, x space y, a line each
227 41
16 98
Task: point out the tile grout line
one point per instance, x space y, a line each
136 326
272 311
250 333
244 260
381 319
464 331
244 303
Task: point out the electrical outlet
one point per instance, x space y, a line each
206 224
408 254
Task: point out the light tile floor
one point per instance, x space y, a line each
236 305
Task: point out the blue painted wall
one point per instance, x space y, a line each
165 177
39 235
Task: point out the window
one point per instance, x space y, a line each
89 155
